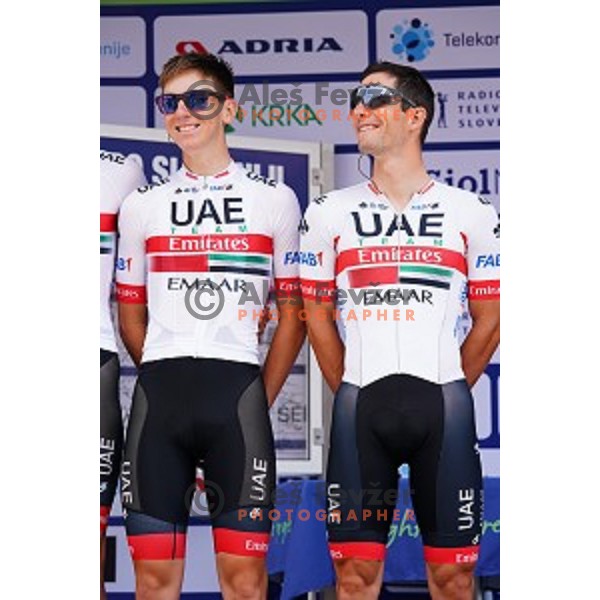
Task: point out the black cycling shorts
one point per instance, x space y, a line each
111 432
190 409
396 420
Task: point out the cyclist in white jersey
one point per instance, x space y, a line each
396 262
200 251
118 177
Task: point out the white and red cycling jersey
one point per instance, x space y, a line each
400 280
203 252
119 176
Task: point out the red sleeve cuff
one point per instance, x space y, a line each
131 294
320 291
287 287
488 289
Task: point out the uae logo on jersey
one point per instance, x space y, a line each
194 213
423 225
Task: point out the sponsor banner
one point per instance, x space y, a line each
123 105
305 111
477 171
122 47
466 110
277 43
440 38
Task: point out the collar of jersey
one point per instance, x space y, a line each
223 175
372 186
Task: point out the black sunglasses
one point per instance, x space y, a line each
194 100
376 96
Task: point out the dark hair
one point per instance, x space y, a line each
410 81
208 64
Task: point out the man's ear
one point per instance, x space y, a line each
416 116
229 111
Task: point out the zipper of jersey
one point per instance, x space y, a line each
398 215
198 328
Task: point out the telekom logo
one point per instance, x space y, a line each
190 46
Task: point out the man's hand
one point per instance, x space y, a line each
325 340
287 341
133 322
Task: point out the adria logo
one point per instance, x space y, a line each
280 46
191 46
260 46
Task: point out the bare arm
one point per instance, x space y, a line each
133 322
131 280
325 340
483 339
285 345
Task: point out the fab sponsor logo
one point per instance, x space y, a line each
309 259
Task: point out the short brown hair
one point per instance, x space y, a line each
208 64
412 83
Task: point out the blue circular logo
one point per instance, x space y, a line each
414 39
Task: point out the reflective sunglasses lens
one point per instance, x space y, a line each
196 100
379 101
372 97
167 104
356 96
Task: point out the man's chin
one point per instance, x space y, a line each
365 148
370 149
194 146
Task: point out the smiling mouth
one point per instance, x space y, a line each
186 128
367 127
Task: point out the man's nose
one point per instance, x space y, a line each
360 110
181 107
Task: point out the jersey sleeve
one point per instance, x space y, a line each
131 261
131 177
286 215
318 253
110 201
482 238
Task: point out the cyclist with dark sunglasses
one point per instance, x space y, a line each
403 257
192 245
